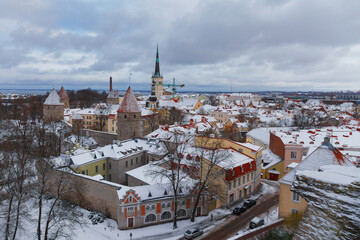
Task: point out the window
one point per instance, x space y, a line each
137 160
82 172
231 199
240 194
294 211
153 207
96 169
229 186
109 165
134 116
163 205
295 197
181 213
131 162
109 177
126 164
252 175
250 166
104 166
124 116
242 169
293 155
235 184
150 218
239 181
165 216
249 189
240 150
147 208
87 173
248 177
142 159
243 179
130 208
168 204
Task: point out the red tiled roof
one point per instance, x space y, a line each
129 104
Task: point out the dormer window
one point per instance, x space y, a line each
149 195
165 193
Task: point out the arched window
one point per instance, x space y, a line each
150 218
165 215
181 213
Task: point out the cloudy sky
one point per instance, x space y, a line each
214 45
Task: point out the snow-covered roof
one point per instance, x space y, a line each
260 134
129 103
53 99
119 150
326 154
334 174
143 174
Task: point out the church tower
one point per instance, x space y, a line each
156 78
128 117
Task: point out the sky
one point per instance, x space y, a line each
231 45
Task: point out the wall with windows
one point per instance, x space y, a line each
289 200
156 211
293 153
118 167
94 168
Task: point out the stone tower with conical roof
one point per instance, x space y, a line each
53 108
129 117
157 78
64 98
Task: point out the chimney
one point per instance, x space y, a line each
110 84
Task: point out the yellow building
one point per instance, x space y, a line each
92 168
248 149
291 202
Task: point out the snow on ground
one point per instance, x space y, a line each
109 228
269 217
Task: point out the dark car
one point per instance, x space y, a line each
256 222
193 233
249 203
239 210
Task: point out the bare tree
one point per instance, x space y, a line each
171 167
16 171
55 184
209 155
176 116
101 114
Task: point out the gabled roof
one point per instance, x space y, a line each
129 104
53 99
326 154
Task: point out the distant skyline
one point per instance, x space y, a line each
245 45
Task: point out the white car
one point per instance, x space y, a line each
192 233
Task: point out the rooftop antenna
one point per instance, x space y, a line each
129 78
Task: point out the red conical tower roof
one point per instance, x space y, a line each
63 95
129 104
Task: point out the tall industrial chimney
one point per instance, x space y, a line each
110 84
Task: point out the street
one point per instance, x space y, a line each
235 223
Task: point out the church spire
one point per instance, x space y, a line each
157 63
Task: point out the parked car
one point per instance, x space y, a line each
249 203
239 210
256 222
192 233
